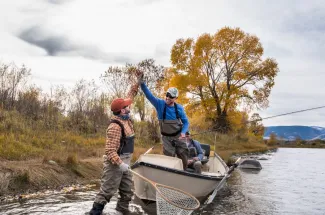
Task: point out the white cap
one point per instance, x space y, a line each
173 91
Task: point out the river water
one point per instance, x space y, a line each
292 181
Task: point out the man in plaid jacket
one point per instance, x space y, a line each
118 153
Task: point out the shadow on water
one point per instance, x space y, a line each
148 207
250 171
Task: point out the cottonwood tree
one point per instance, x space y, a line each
221 71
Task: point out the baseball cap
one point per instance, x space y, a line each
119 103
173 91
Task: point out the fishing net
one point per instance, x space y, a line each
170 200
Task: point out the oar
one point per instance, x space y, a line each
221 183
149 150
144 154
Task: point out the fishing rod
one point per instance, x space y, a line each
299 111
270 117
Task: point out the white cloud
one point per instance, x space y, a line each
100 33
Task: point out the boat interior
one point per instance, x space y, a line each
213 166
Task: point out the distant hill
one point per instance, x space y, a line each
292 132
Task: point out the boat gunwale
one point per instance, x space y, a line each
180 172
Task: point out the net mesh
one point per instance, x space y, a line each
172 201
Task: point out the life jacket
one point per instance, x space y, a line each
126 143
170 128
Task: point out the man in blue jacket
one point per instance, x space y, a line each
173 122
195 154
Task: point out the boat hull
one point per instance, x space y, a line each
168 171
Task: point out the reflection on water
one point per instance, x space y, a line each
291 182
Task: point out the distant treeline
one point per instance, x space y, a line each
83 109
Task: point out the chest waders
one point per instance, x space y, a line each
126 143
170 128
113 178
170 131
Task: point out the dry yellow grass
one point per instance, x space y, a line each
64 145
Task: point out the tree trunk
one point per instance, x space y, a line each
221 123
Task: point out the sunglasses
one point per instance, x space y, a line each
170 96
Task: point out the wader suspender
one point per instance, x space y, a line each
122 143
164 113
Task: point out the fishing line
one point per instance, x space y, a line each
284 114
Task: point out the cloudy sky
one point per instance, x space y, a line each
63 41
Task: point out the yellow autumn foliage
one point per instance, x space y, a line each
217 72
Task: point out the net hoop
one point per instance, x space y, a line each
180 191
189 199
